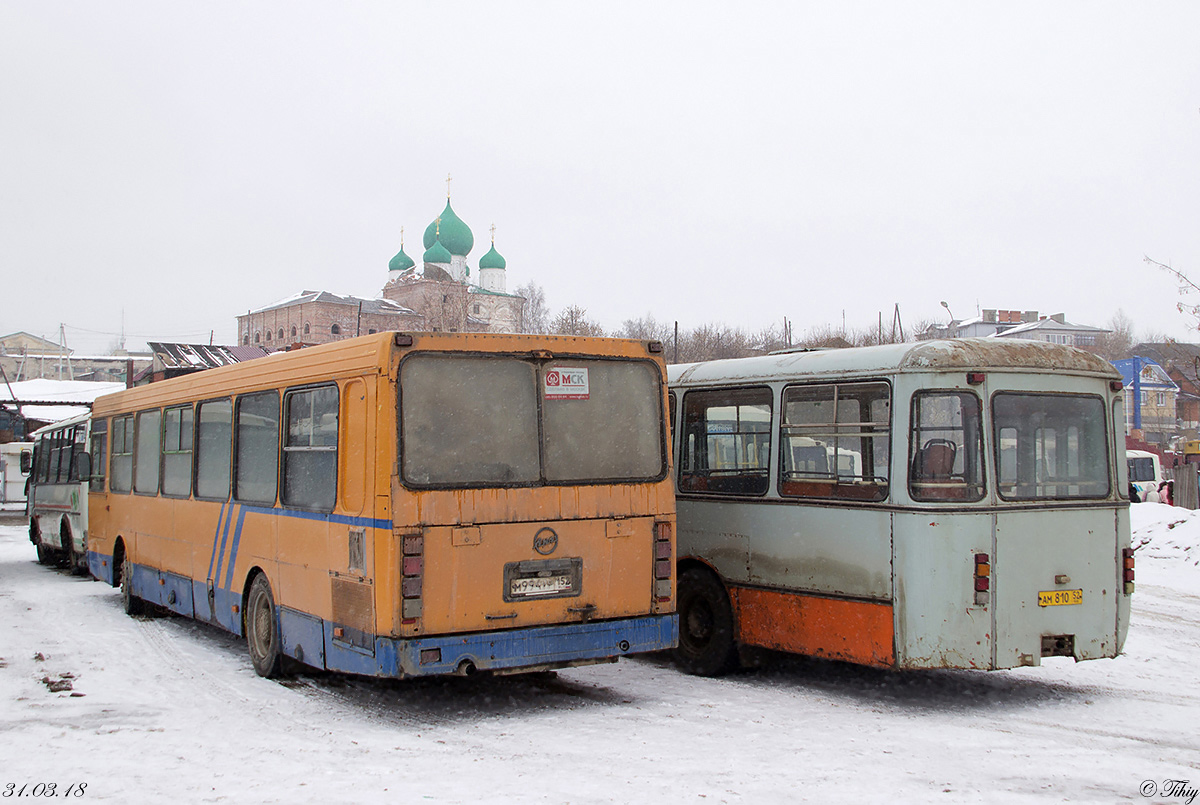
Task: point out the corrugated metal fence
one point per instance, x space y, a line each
1187 487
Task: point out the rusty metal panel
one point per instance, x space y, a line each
353 611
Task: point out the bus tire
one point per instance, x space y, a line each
706 645
69 557
132 604
262 630
45 555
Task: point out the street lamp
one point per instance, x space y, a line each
948 311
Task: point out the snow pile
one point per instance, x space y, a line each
1165 532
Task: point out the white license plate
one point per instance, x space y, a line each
539 585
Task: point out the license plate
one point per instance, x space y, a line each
539 585
543 578
1059 598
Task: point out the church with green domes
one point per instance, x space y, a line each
444 289
443 294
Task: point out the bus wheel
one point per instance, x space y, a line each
706 646
70 560
133 605
262 633
46 556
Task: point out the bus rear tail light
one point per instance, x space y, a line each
1127 569
983 579
412 568
663 562
975 378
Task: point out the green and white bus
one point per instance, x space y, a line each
57 499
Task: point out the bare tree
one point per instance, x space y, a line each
646 328
1116 345
1186 288
574 321
535 316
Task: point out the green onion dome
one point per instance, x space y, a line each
401 262
451 231
437 253
491 260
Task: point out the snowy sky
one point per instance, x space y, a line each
184 162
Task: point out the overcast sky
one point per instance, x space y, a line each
184 162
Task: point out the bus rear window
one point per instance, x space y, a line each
610 429
1050 446
508 421
1141 469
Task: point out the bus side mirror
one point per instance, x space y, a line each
83 462
26 462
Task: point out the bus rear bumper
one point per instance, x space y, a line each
511 650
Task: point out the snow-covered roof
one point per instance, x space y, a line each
1048 324
368 305
64 392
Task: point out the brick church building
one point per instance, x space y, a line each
440 295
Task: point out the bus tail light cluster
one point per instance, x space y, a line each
1127 569
663 562
983 579
411 570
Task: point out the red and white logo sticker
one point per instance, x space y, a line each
565 383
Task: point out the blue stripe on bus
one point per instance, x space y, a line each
339 519
224 538
212 558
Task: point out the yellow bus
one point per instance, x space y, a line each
400 504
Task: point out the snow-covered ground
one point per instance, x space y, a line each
169 710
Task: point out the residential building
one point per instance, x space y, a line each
1022 324
1149 401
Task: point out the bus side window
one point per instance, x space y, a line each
121 451
214 439
671 413
834 441
147 452
256 428
78 446
177 451
727 437
310 448
57 472
946 447
99 454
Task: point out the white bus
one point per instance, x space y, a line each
943 504
57 501
1145 471
15 462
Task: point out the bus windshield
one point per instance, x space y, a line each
470 420
1050 446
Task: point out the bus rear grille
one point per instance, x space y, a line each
1058 645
